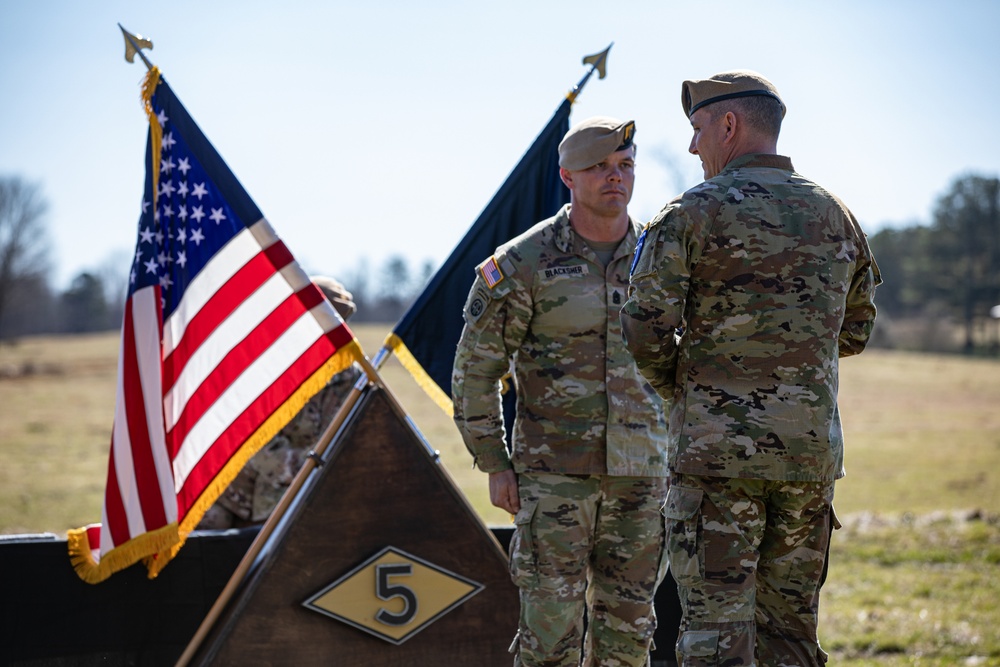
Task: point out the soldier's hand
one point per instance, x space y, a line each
503 491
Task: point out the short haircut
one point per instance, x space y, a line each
761 113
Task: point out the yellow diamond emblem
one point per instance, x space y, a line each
393 595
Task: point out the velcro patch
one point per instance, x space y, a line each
554 272
491 272
477 305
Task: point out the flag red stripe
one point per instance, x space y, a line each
238 359
339 337
114 509
244 282
144 468
251 418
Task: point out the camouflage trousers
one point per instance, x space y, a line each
749 557
587 547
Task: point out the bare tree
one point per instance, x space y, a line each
24 244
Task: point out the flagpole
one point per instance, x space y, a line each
313 460
598 63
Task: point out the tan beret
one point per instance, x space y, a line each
594 139
334 290
726 86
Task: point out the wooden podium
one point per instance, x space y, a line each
380 560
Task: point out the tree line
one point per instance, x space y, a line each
941 289
95 298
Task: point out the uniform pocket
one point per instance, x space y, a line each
699 644
683 520
523 555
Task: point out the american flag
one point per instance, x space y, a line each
224 339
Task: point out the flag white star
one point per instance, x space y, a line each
145 205
197 213
182 212
156 215
197 237
167 165
131 277
151 266
165 281
162 117
217 215
168 211
182 234
182 259
167 188
158 236
184 165
162 257
199 190
169 141
182 189
146 236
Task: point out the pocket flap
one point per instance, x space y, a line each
682 502
698 644
527 511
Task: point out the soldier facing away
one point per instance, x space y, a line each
586 475
745 291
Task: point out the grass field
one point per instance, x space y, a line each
915 573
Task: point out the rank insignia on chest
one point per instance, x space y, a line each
491 272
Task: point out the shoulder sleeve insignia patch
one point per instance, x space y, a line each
491 272
638 250
476 305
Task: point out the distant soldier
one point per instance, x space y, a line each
745 291
586 476
258 487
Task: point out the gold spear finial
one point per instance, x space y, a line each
134 45
598 63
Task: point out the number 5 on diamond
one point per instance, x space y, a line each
385 590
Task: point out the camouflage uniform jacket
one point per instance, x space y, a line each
545 302
745 291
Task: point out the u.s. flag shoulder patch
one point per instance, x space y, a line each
491 272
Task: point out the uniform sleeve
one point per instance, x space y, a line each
653 314
496 320
859 315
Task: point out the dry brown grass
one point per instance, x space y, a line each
57 398
923 431
912 581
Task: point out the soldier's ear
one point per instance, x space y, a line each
567 177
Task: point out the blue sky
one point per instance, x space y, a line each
365 130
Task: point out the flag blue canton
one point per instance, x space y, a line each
192 217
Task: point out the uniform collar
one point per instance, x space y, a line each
567 240
760 160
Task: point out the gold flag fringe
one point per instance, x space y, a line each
410 363
156 548
149 84
343 358
119 558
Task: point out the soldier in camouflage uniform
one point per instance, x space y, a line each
258 487
586 477
745 291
